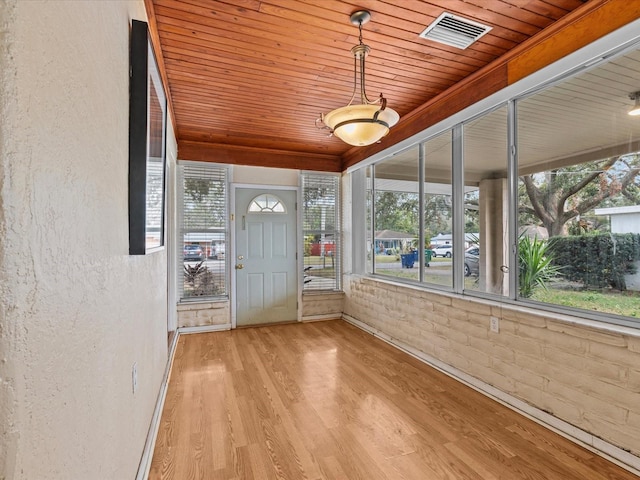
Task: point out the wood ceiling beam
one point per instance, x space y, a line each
258 157
579 28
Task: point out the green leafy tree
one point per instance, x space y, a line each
560 195
437 215
397 211
203 203
319 207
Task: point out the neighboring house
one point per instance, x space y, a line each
388 239
447 238
623 219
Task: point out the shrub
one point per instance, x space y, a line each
535 263
598 261
200 280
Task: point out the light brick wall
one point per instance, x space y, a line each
316 304
201 314
586 376
219 313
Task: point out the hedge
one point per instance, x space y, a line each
599 261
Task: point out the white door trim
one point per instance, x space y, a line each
232 229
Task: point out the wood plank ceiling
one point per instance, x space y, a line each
252 76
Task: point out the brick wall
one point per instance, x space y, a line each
202 314
314 305
584 374
322 305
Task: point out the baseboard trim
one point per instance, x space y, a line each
204 329
152 434
594 444
321 318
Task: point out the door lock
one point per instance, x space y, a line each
239 266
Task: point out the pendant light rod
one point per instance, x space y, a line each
360 52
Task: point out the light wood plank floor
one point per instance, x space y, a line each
328 401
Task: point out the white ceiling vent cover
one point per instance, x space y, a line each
454 31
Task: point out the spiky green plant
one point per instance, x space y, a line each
193 272
536 267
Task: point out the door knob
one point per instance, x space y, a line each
239 266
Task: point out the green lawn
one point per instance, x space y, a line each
614 302
387 259
315 260
618 303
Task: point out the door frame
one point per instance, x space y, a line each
232 250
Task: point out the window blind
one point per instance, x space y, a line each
321 230
203 229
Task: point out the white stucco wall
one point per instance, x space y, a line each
76 311
265 176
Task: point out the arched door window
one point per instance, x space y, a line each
266 203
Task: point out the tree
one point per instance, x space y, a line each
437 215
204 206
557 196
397 211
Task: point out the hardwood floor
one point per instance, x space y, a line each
328 401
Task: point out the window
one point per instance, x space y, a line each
486 204
579 191
321 231
266 203
396 216
438 216
395 210
544 196
203 231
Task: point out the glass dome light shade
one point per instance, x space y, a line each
356 125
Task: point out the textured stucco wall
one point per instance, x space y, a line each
265 176
76 311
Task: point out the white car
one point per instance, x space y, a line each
442 251
217 251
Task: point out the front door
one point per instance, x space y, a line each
265 256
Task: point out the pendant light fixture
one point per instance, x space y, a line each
365 123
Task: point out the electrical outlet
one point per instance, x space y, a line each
494 324
134 377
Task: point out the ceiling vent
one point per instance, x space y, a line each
454 31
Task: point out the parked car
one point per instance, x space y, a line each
218 251
442 251
472 261
192 253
